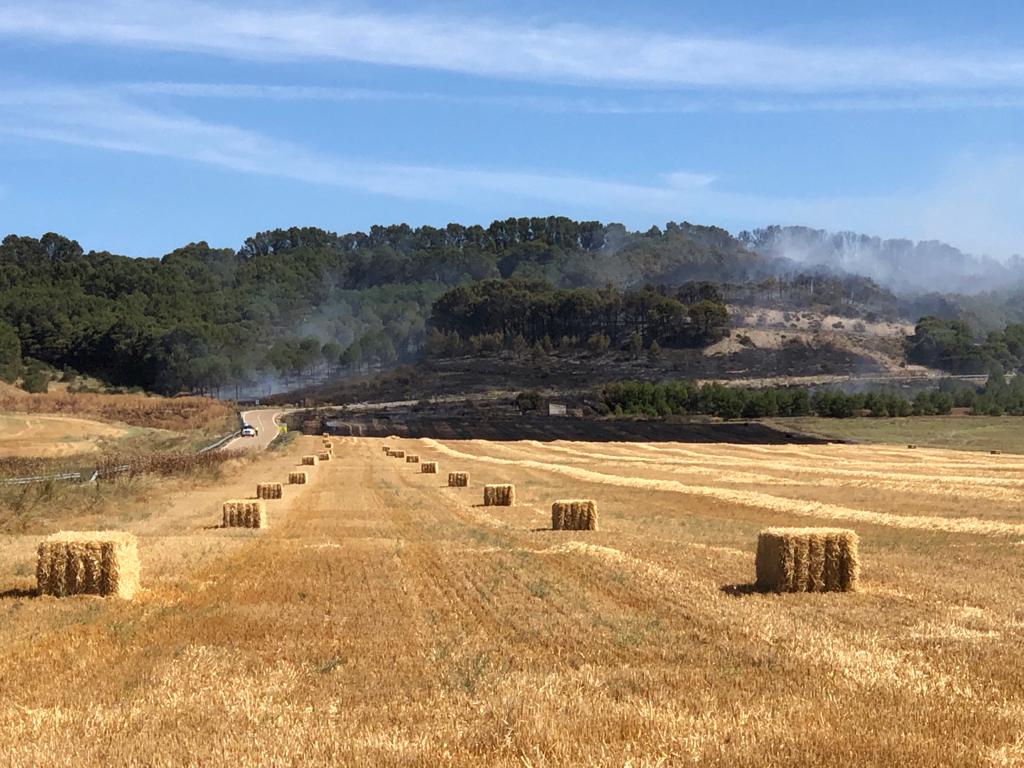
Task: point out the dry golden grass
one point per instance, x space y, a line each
382 621
175 413
51 435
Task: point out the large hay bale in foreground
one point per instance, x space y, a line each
397 454
269 491
325 456
245 513
309 461
298 478
412 458
808 560
428 467
88 563
458 479
574 515
499 495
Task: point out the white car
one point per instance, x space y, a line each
249 431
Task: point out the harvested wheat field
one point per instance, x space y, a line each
387 621
48 436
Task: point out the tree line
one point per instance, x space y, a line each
534 312
950 344
685 398
291 300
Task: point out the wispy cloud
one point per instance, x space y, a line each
508 48
104 119
974 205
633 103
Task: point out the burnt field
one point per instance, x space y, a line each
504 427
578 372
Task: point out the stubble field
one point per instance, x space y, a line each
384 619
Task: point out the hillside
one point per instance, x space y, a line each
291 301
294 307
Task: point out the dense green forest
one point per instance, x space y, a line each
289 301
685 398
520 312
951 346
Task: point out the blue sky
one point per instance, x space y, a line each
138 126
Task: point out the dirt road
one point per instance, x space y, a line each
265 420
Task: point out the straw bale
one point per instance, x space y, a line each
88 563
412 458
502 495
269 491
245 513
309 461
328 445
397 454
458 479
325 456
387 449
298 478
574 515
808 560
428 467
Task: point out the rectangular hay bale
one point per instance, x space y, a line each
328 445
428 467
499 495
102 563
808 560
458 479
325 456
298 478
309 461
397 454
269 491
245 513
386 449
412 458
574 515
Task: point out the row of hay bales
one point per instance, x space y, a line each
787 559
106 563
252 513
573 514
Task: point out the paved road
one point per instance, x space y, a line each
265 420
